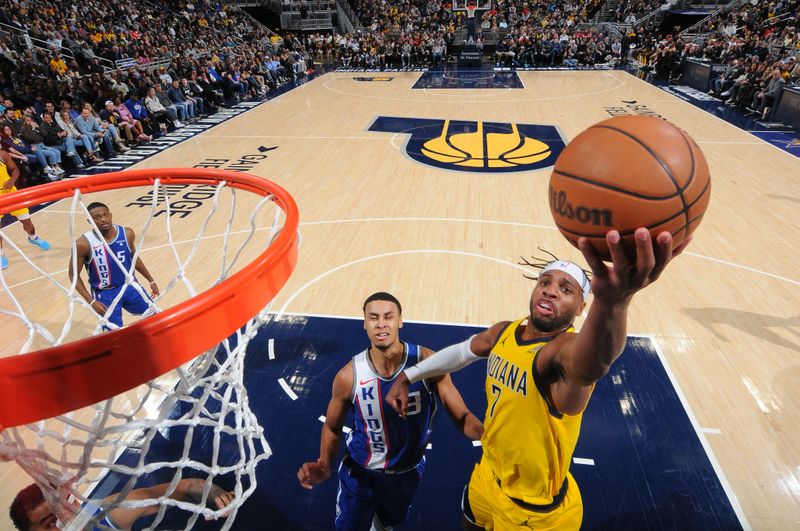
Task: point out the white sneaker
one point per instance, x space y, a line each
179 125
123 148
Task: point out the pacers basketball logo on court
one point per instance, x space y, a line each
476 146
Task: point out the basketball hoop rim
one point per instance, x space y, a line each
56 380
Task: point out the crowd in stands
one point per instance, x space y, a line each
139 71
631 12
380 51
757 41
398 34
419 33
547 33
81 80
523 34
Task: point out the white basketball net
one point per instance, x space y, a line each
69 455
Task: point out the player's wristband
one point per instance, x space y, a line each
447 360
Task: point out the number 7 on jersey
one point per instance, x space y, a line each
496 393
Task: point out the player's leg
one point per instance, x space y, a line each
468 522
395 494
107 296
136 303
355 499
476 509
24 217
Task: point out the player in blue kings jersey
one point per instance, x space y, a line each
385 454
107 274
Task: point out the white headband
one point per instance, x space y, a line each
572 270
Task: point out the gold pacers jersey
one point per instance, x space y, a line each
526 442
4 176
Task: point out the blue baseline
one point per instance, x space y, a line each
650 470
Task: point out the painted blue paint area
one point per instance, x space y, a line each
784 137
468 79
650 470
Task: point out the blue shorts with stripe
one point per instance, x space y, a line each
131 301
365 494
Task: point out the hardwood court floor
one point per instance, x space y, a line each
725 315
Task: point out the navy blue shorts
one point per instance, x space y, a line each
365 494
131 301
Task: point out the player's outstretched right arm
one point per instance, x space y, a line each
189 490
445 361
315 472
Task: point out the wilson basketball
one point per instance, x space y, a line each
625 173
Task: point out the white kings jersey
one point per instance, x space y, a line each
381 439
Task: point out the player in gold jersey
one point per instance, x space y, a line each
9 173
540 375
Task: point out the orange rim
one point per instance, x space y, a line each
56 380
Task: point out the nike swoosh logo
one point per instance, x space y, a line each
365 383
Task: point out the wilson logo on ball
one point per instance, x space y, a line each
646 171
476 146
561 206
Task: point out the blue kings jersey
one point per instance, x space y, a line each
104 273
381 439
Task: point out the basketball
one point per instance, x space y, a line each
629 172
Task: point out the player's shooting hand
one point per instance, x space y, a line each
8 185
154 291
397 397
618 283
312 473
99 307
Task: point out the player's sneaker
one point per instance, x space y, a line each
40 243
4 261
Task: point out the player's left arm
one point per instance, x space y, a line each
574 362
188 490
140 267
466 422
